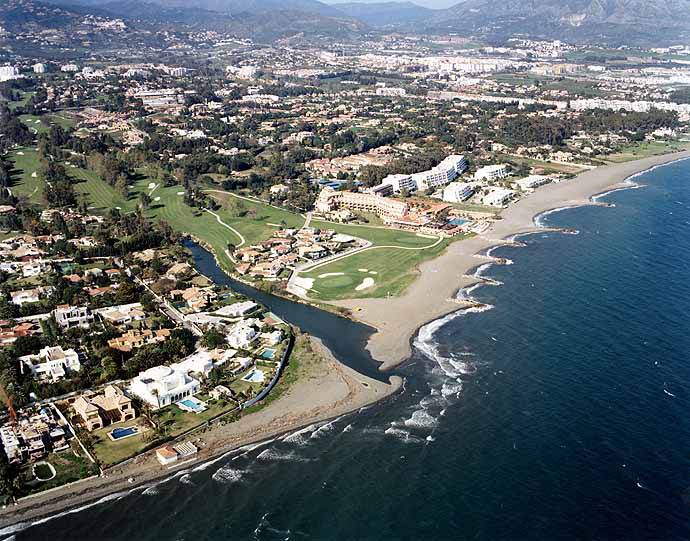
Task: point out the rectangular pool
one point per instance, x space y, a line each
119 433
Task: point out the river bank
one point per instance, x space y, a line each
434 293
325 389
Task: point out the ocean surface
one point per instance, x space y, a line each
562 412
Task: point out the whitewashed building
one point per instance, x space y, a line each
456 192
163 385
51 363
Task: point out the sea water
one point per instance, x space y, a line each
562 412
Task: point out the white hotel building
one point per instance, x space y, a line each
492 172
457 192
400 183
442 174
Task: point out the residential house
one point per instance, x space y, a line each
51 363
73 316
97 410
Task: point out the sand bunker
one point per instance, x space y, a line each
363 270
180 193
373 272
152 185
34 174
20 153
366 283
326 275
305 283
157 198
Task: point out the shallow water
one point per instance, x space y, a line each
559 413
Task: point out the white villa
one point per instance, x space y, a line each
51 363
163 385
123 314
73 316
238 309
241 335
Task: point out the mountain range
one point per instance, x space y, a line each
629 22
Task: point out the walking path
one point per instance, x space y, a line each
221 222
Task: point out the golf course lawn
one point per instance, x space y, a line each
394 268
25 162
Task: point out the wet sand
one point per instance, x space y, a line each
433 294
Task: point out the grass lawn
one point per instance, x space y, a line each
644 150
68 468
101 195
25 163
26 96
395 270
548 167
110 452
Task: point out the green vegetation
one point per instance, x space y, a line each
25 163
394 270
69 466
645 150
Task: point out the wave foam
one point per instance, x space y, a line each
228 475
421 419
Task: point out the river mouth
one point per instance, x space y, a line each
345 338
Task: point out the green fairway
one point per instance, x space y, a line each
100 194
25 163
645 150
377 272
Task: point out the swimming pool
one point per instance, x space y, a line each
255 376
191 405
458 221
119 433
268 354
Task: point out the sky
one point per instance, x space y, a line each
437 4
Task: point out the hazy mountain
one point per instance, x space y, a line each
385 13
577 20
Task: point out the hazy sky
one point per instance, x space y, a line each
425 3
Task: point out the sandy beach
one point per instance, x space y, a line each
325 389
433 293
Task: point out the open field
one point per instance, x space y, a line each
375 272
645 150
25 163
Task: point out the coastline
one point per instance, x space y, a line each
325 390
434 292
333 389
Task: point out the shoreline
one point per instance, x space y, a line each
325 391
334 389
434 293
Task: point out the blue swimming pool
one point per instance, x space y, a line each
255 376
458 221
268 354
119 433
191 405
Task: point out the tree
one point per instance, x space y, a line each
144 200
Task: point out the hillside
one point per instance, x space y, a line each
385 13
612 21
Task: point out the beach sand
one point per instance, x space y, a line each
325 389
433 294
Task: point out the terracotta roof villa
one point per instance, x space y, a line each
102 409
